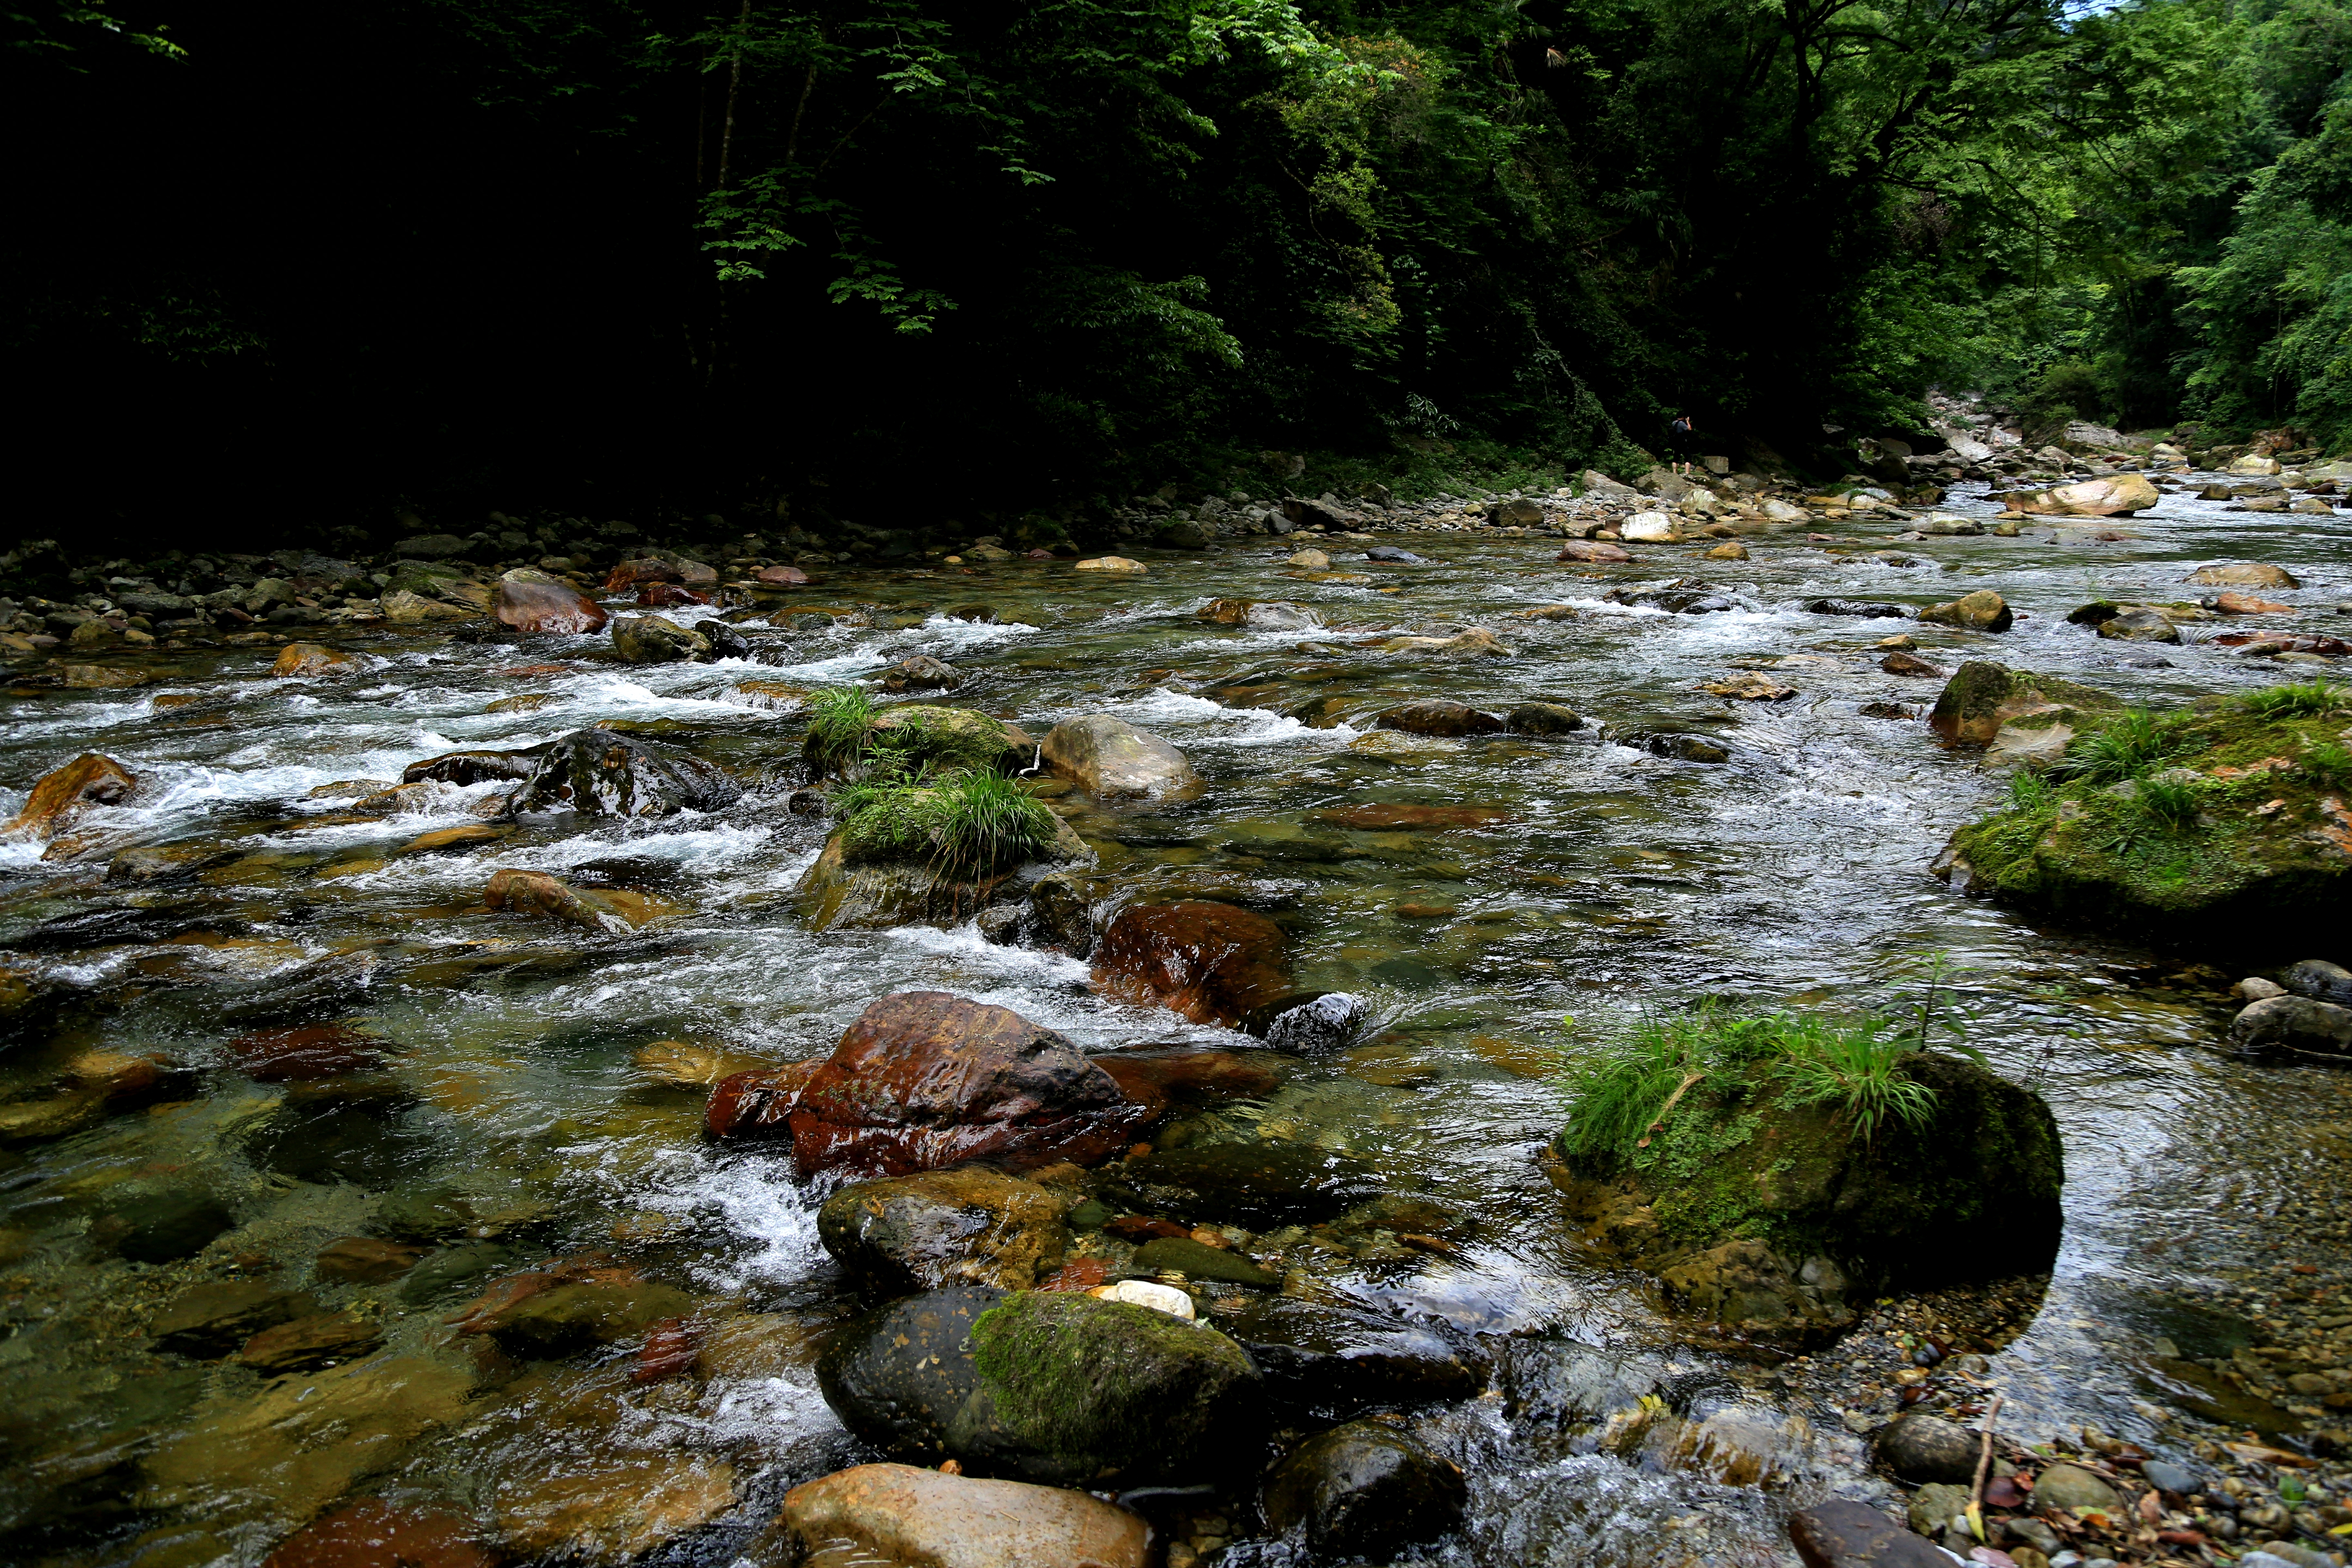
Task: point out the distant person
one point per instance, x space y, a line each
1683 435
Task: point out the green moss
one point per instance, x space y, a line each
1095 1382
2164 824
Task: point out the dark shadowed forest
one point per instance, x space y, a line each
274 271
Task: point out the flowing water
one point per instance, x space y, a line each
1618 881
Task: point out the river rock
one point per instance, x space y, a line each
403 605
1269 614
366 1260
949 739
872 883
1598 551
758 1102
569 1316
1542 718
62 797
1982 611
321 1339
208 1321
1982 697
306 1053
1310 560
618 1510
528 600
314 660
1648 527
1434 716
2244 574
1922 1448
601 773
375 1533
1198 1260
2296 1022
2111 495
162 1229
921 672
1184 1076
900 1513
1365 1490
924 1080
635 572
1262 1184
1315 1022
655 639
1475 642
1054 1387
2317 977
1212 962
2074 1489
1840 1534
1113 565
462 768
551 898
1857 607
1111 759
1332 1361
971 1225
2140 623
1901 663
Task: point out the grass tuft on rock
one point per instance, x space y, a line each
841 718
2205 826
968 826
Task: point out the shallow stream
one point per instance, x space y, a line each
1616 880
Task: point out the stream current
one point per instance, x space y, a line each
1619 881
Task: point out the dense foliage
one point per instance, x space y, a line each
284 270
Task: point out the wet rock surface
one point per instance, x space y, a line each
1365 1490
1212 963
902 1513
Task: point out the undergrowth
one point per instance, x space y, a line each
1623 1098
2299 699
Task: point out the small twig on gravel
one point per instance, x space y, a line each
1984 1454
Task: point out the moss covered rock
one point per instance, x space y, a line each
1760 1210
1057 1388
940 740
877 871
1983 697
2206 829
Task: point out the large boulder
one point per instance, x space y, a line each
63 797
1797 1205
1982 697
1982 611
1364 1490
924 1080
2244 574
900 1513
1212 963
528 600
1054 1387
946 740
2293 1023
656 639
1111 759
2114 495
969 1226
601 773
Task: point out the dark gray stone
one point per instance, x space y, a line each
1364 1490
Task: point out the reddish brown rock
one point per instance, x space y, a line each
1432 716
666 594
899 1513
781 577
924 1080
304 1055
1592 549
373 1533
669 1349
364 1261
758 1103
63 797
1191 1078
2249 604
1840 1534
636 573
317 1339
314 658
1383 817
532 601
1212 962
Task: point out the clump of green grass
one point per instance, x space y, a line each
985 823
2124 748
2327 764
2030 790
1623 1098
2314 698
2172 804
841 723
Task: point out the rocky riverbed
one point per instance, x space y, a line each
432 1109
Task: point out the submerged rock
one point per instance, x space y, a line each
375 1533
62 798
601 773
1111 759
538 893
162 1229
1542 718
900 1513
924 1080
1056 1387
1434 716
971 1225
320 1338
1857 607
1261 1185
208 1321
1212 962
1365 1490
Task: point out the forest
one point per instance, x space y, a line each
275 271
